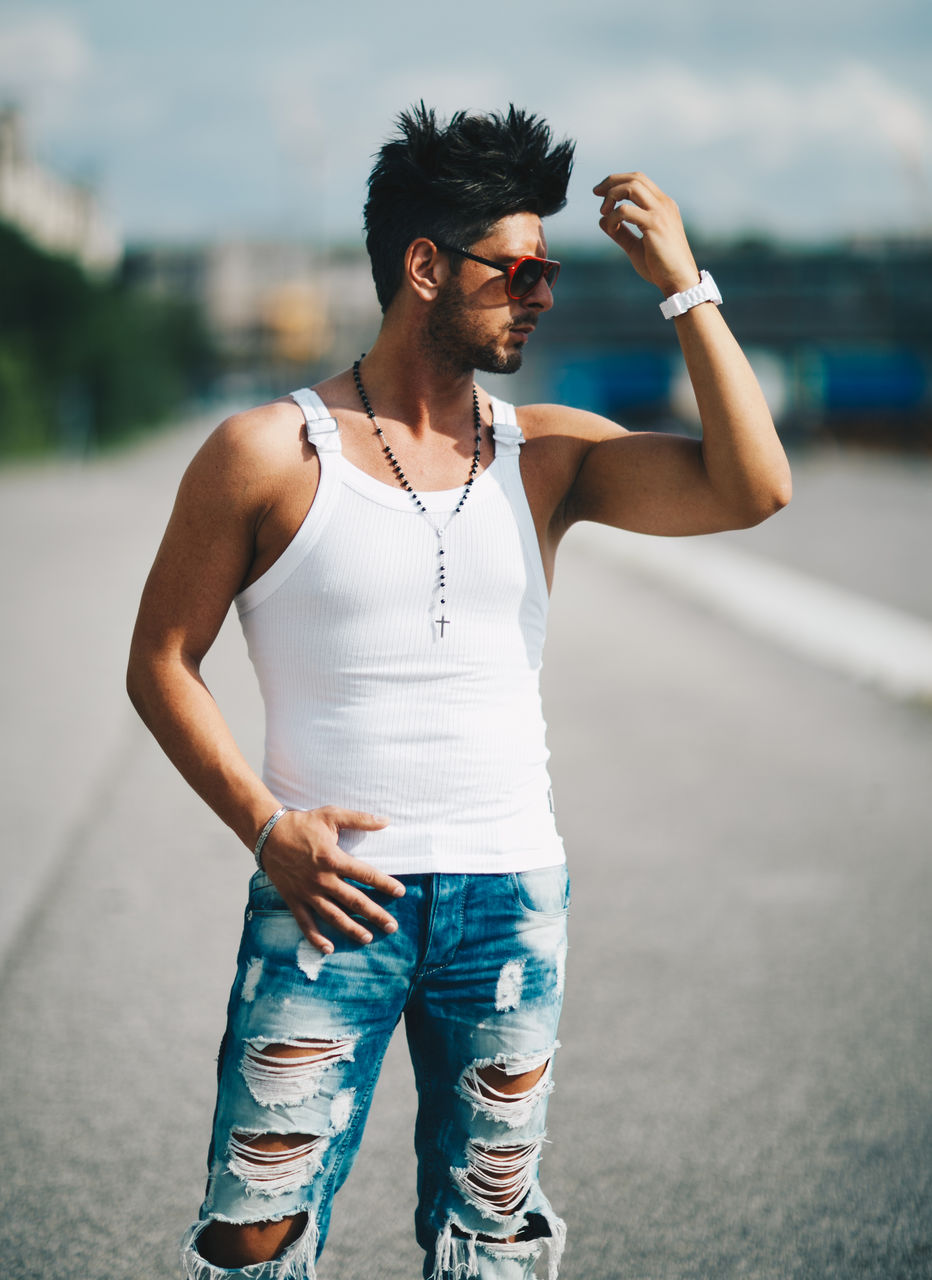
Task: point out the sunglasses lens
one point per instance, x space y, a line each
528 273
526 277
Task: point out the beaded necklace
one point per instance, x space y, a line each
442 622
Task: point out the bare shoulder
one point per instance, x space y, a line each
558 441
549 421
245 491
561 419
249 450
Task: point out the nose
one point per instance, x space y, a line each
540 297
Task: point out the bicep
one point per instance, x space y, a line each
646 482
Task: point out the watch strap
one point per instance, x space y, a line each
679 303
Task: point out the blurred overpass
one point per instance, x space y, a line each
841 336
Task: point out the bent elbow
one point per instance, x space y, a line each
779 499
770 499
781 494
782 486
142 678
136 681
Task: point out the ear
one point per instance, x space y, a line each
426 268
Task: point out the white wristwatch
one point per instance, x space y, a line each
679 303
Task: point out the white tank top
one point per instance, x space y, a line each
368 707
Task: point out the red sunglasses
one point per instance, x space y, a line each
521 276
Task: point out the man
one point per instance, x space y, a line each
389 539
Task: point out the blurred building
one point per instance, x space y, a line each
840 336
275 309
59 216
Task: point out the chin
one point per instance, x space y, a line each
495 360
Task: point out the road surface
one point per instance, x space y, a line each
745 1083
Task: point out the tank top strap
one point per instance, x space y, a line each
505 429
321 427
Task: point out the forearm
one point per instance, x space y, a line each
743 476
742 456
177 707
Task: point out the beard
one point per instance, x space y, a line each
455 343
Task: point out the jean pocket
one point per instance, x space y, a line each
544 891
264 898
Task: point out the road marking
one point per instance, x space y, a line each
871 642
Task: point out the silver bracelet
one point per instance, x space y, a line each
264 834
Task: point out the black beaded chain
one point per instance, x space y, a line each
395 465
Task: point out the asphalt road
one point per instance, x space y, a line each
745 1083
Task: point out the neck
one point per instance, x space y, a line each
405 386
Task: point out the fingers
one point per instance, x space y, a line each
336 912
353 868
343 908
646 223
350 868
308 926
333 904
343 870
636 187
321 883
614 179
621 234
632 198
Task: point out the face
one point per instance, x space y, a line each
473 324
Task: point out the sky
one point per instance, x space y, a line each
806 120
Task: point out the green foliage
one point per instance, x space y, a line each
84 363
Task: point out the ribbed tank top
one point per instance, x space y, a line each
368 707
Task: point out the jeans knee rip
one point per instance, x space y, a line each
288 1164
512 1109
282 1079
295 1263
496 1179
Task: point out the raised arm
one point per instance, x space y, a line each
737 475
206 556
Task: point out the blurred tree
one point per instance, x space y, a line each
85 362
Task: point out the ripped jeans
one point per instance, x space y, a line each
476 967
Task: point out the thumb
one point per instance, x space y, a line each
355 819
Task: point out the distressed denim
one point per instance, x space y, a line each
476 968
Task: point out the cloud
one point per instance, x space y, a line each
44 57
757 148
853 104
255 123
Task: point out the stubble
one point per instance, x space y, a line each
456 344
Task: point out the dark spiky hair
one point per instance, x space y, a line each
453 182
